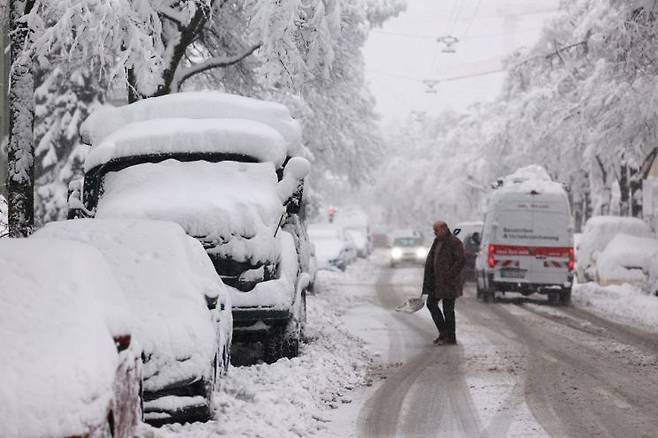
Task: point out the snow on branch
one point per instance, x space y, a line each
214 62
179 17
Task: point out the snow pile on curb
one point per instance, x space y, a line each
623 303
290 397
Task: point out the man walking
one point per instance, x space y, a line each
443 281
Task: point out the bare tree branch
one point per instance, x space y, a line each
215 62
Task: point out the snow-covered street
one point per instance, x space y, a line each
521 369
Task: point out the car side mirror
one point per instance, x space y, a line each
456 231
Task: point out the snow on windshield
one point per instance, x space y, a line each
194 105
58 356
164 274
170 136
235 205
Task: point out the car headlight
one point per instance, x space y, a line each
421 253
396 253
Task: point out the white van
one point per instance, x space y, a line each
527 239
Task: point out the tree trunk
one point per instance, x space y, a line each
635 188
624 191
20 150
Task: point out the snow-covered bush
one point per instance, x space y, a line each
626 259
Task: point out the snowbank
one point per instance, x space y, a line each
170 136
194 105
291 398
233 207
165 275
58 356
626 259
598 232
622 303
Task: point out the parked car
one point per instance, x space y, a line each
380 238
597 233
226 169
70 365
469 234
627 259
527 239
407 247
359 238
181 309
332 249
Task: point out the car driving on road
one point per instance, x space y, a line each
407 247
527 239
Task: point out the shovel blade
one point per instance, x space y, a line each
412 305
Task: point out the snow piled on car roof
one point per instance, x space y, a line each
533 179
165 275
186 135
234 205
194 105
58 356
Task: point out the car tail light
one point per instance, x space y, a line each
491 262
572 259
122 342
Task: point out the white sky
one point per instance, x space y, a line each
405 52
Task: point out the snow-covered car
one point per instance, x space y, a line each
181 309
380 237
226 168
332 249
626 259
597 233
70 365
527 238
469 234
407 247
360 240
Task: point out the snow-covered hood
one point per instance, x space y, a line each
327 250
58 357
165 275
233 207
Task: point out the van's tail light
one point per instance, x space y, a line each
572 259
122 342
491 262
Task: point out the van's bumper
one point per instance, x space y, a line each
527 287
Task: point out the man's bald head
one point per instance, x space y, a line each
440 228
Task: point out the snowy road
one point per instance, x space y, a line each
522 369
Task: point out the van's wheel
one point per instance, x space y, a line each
478 290
489 296
565 296
554 298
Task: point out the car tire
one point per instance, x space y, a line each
565 296
282 342
488 296
554 298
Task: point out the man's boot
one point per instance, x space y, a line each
451 339
440 340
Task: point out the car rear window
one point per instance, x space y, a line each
407 241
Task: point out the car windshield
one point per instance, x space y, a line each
407 241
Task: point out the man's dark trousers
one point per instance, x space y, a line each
445 322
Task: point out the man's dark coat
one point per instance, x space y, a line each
443 268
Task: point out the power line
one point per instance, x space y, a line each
447 79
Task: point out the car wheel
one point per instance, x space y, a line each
565 296
273 344
554 298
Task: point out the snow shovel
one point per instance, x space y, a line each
412 305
